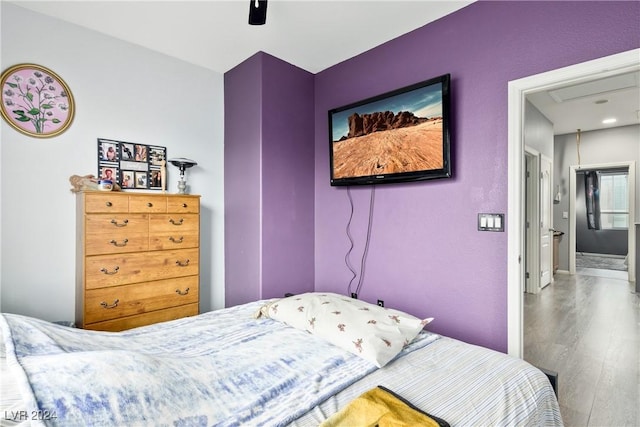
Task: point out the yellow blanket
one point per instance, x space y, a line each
381 407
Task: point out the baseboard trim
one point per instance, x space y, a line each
602 255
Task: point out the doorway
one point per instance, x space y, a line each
517 91
630 168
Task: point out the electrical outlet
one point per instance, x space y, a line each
354 295
381 303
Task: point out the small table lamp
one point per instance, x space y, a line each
182 164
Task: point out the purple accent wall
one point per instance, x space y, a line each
242 136
426 255
269 153
287 180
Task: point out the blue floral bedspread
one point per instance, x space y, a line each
222 368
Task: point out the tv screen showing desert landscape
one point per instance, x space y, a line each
397 136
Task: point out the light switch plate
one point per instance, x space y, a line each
490 222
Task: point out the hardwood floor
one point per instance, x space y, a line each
587 328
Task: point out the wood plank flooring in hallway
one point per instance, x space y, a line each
587 328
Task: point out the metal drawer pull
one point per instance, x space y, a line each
120 245
174 222
184 205
179 292
182 264
174 240
105 271
117 224
114 305
109 204
150 204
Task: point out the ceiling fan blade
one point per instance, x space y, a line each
257 12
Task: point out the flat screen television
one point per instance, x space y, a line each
399 136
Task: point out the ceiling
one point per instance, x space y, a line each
215 34
585 105
314 35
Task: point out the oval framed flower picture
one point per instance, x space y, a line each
36 101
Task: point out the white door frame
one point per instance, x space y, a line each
631 241
517 92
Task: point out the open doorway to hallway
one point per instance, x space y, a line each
590 71
585 327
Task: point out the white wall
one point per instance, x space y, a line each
123 92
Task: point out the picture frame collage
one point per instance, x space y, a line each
131 165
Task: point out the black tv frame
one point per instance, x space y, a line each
440 86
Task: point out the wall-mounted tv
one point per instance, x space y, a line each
399 136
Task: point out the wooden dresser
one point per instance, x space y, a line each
137 259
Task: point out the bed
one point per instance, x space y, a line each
251 365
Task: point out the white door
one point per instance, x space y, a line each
546 232
532 284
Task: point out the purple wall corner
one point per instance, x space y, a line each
269 199
285 225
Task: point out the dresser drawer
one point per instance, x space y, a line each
118 242
177 223
120 233
105 224
144 203
128 300
183 204
174 231
112 270
105 202
162 241
145 319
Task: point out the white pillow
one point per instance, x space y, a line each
374 333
